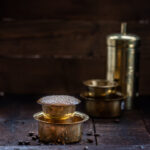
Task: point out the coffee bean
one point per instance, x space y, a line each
34 138
89 140
31 133
89 132
45 143
26 143
96 134
37 137
20 142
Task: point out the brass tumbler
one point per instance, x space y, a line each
100 87
123 63
58 107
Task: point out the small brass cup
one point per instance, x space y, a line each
60 132
100 87
103 107
58 111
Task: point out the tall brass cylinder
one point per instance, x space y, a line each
123 63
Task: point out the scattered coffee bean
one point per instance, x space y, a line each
86 148
89 132
89 140
20 142
31 133
26 143
37 137
117 120
96 134
45 143
34 138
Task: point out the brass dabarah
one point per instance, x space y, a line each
102 106
62 132
101 98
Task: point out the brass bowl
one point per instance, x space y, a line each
62 132
100 87
103 107
58 110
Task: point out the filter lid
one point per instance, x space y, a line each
123 39
59 100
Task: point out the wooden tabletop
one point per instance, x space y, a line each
131 131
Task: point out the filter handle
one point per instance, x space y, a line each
123 28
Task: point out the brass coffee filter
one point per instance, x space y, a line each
58 107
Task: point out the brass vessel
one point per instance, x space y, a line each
58 111
59 122
60 132
122 63
102 106
100 87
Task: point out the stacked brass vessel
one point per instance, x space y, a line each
59 122
123 63
102 99
106 98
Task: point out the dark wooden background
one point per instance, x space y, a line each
51 46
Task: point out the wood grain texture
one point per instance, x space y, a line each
128 134
48 38
144 104
16 125
21 127
99 147
76 9
47 75
77 49
129 131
